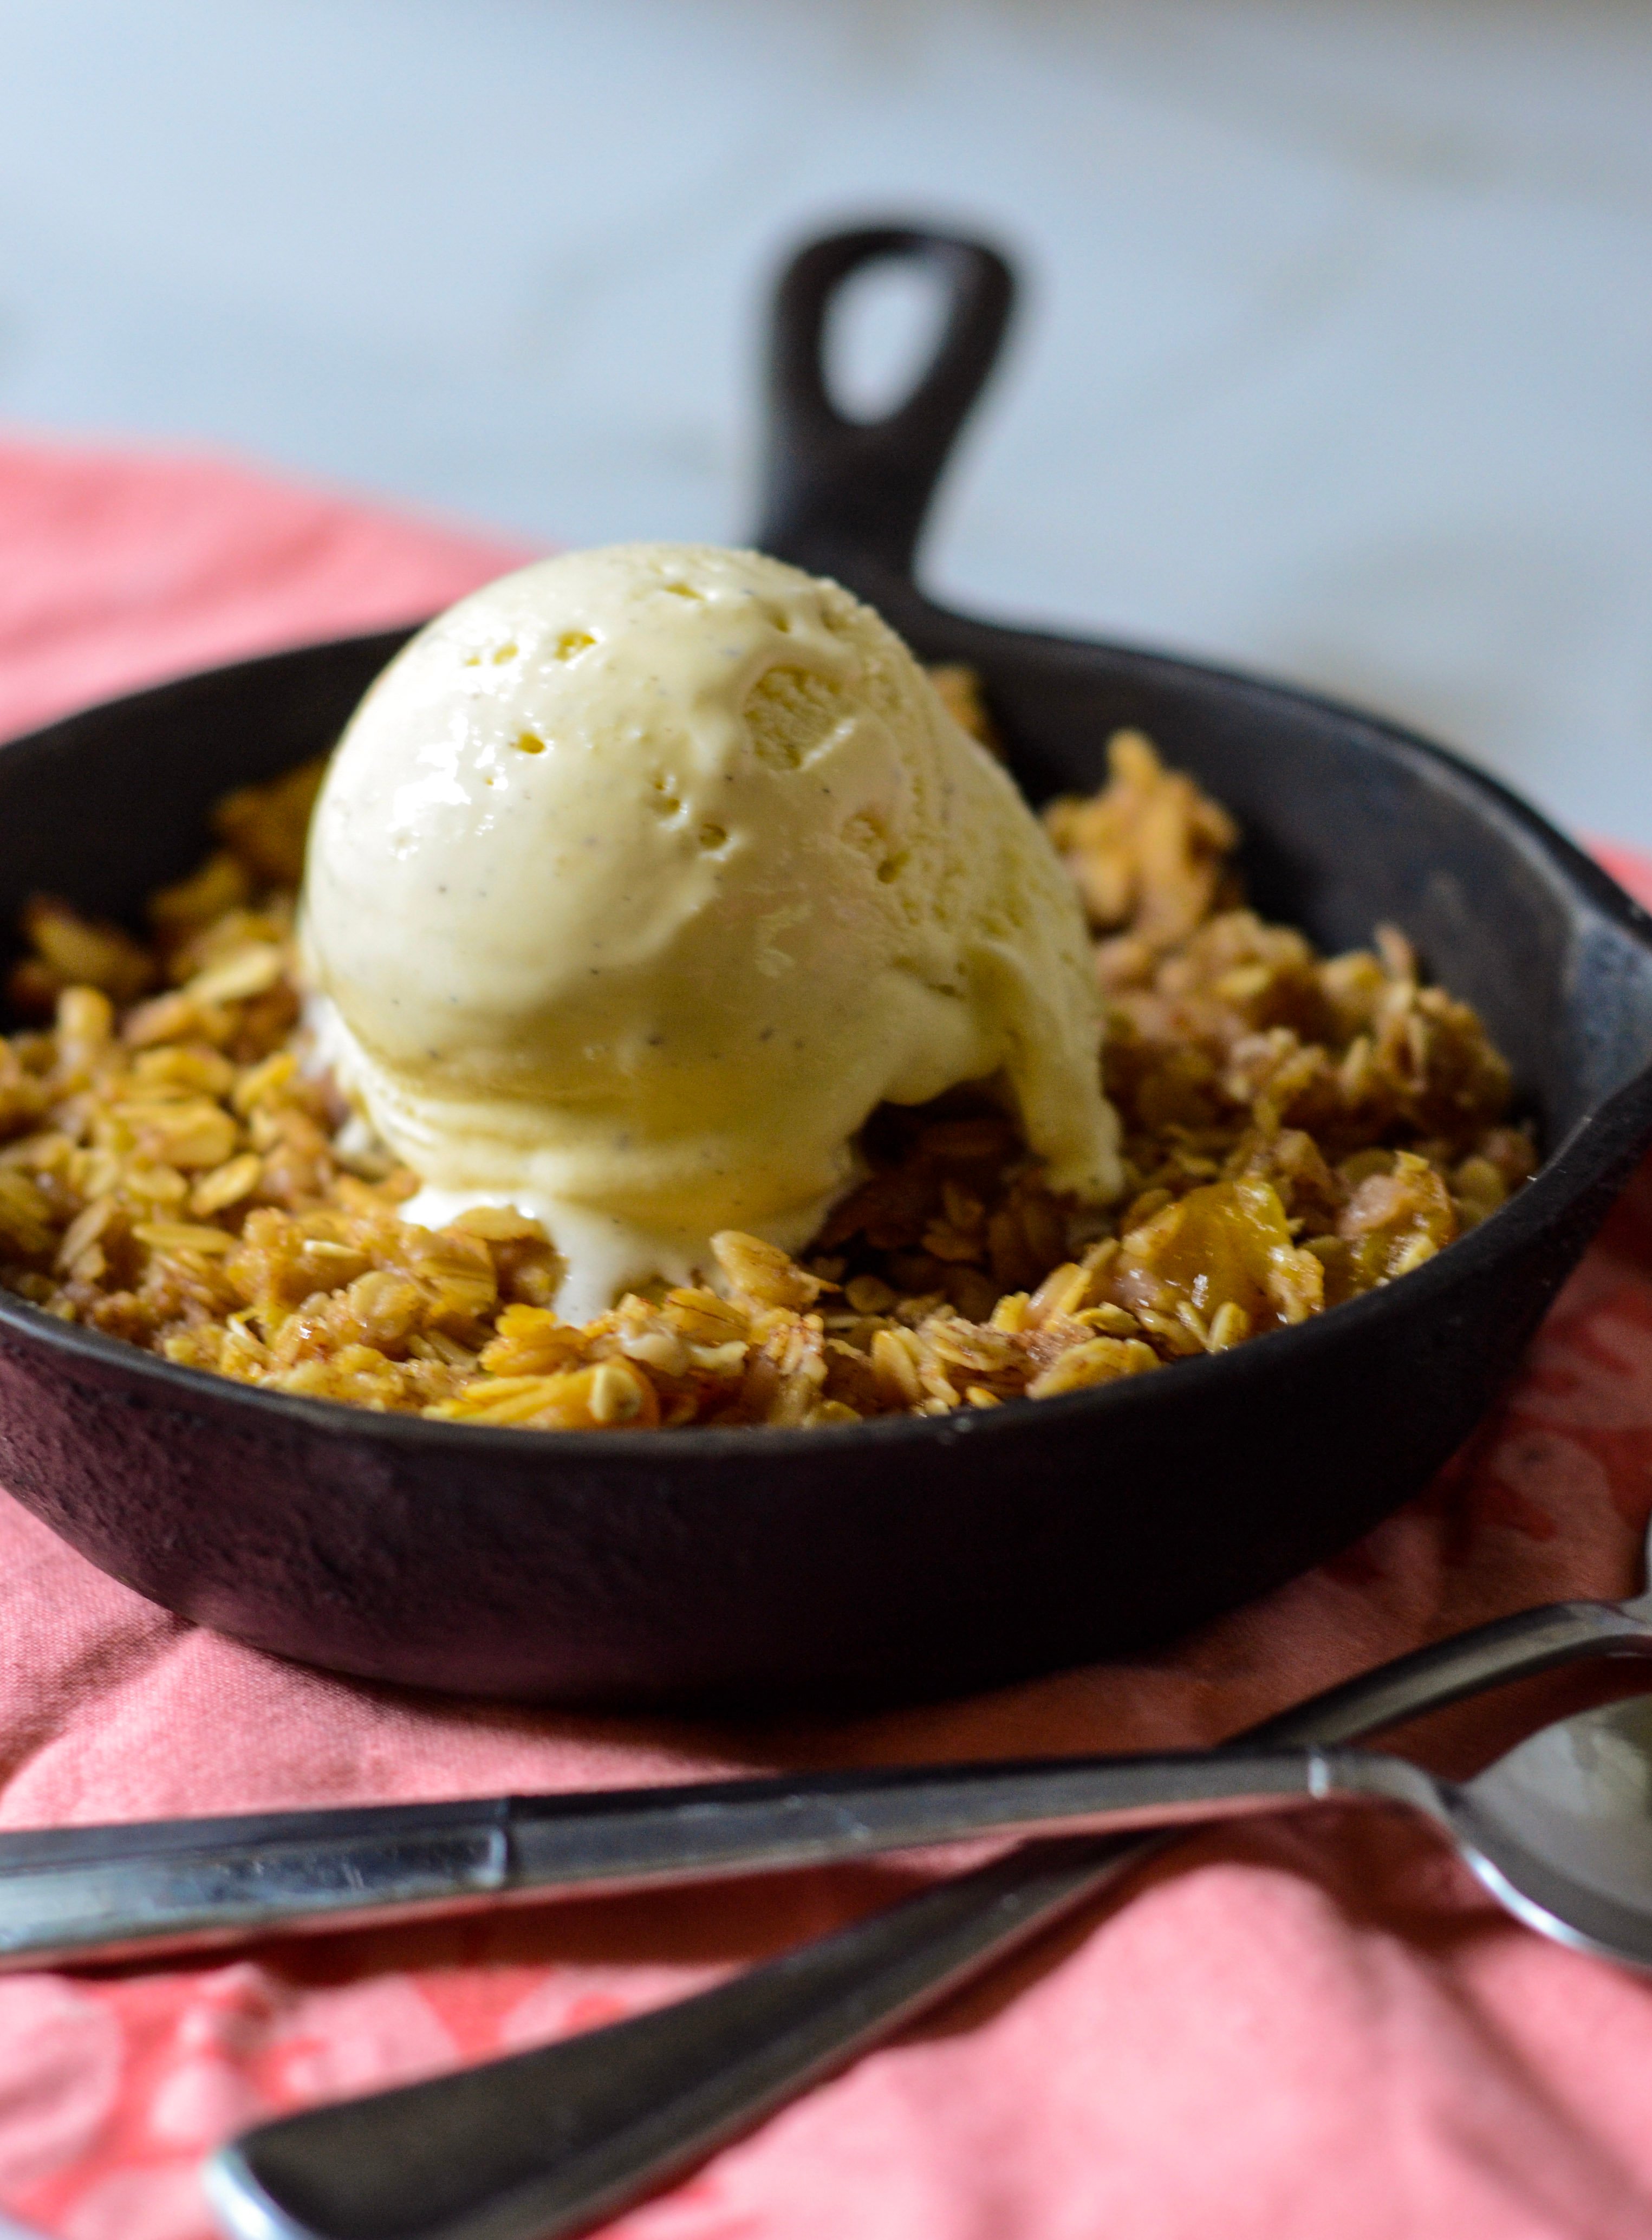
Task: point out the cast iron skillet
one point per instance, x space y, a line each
895 1558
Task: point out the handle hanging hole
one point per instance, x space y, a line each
883 330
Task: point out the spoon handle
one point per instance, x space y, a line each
1513 1648
68 1894
72 1894
549 2142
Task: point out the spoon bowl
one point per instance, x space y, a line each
1559 1830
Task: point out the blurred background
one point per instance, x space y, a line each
1336 352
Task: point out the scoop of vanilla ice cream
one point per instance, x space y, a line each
642 874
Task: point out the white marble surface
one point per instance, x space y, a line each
1337 358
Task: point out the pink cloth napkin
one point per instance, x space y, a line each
1310 2027
120 568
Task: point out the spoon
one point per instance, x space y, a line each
1559 1830
70 1895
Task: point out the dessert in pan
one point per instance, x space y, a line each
685 1021
1114 1191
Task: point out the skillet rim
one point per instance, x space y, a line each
1556 1187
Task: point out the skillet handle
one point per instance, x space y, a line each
849 498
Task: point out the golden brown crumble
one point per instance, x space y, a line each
1298 1130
